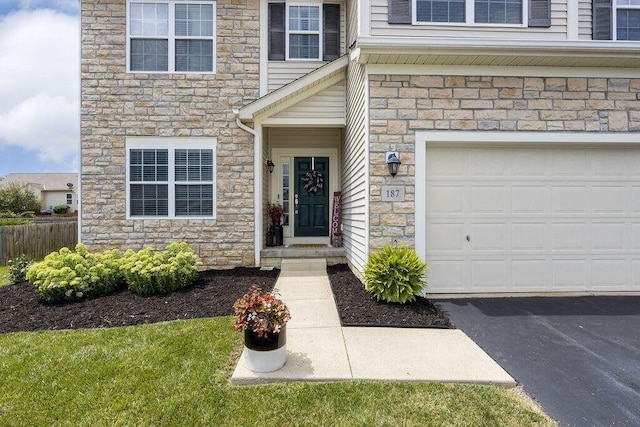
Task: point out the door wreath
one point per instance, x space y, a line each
313 181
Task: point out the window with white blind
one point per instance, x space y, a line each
171 178
469 11
627 19
171 36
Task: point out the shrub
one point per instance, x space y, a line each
7 214
7 222
27 214
18 268
149 272
395 274
60 209
16 197
69 275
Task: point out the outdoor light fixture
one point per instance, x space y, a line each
270 165
393 161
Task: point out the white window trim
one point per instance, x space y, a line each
171 37
319 32
170 144
614 18
469 14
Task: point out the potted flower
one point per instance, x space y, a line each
275 212
263 318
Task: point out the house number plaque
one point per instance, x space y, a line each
392 193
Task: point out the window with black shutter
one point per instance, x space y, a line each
304 31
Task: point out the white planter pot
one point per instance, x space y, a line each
265 354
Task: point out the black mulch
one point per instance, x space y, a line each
357 307
213 295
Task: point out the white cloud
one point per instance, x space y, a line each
62 5
39 89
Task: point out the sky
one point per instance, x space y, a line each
39 86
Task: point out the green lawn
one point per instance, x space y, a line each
177 374
4 275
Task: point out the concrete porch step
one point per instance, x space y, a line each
273 257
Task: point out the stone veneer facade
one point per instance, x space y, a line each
402 104
116 104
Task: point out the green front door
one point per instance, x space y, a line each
311 208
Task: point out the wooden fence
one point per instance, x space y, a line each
36 240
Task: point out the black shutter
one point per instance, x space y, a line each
399 12
540 13
331 31
276 31
602 20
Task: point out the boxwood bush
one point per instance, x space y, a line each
150 272
68 275
395 274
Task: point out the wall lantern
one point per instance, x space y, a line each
270 165
393 161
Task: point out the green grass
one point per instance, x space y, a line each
177 374
4 276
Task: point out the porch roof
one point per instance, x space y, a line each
296 91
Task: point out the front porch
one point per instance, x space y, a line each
272 257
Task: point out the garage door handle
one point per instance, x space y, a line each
468 238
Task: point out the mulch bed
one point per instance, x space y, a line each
357 307
213 295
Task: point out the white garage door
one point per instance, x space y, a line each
532 219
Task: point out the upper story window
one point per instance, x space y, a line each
532 13
172 178
627 19
469 11
304 31
170 36
616 19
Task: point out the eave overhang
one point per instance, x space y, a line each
296 91
495 52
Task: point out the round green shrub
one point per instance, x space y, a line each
60 209
148 272
68 275
395 274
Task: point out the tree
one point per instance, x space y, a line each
18 198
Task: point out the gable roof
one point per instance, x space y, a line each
43 181
296 91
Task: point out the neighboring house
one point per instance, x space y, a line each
51 188
516 123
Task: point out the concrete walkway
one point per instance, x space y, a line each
319 349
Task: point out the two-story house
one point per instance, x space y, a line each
515 123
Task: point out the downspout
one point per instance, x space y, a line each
257 187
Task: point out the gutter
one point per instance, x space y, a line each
257 188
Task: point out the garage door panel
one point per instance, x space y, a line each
569 275
635 236
445 200
487 199
568 236
529 163
609 236
539 219
608 274
609 199
568 163
569 200
635 200
487 237
489 275
446 276
528 236
446 237
529 200
447 163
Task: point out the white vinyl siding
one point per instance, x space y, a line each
328 104
584 20
381 28
170 178
354 171
280 73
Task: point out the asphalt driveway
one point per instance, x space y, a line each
579 356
